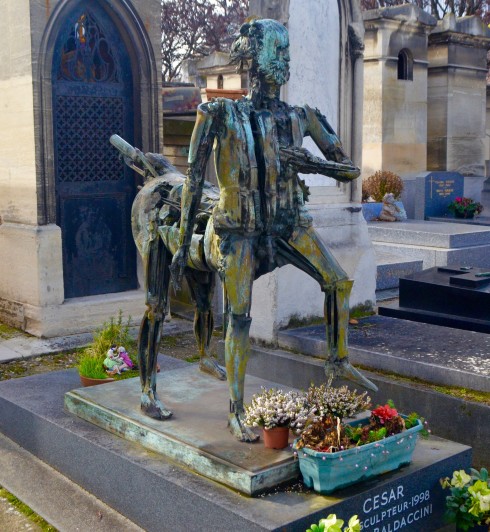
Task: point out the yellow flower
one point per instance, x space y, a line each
332 524
480 497
354 524
460 479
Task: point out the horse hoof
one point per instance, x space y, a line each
209 365
240 431
345 370
154 408
156 412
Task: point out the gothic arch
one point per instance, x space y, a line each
145 83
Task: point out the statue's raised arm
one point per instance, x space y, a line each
199 153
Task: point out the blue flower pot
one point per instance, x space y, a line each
327 472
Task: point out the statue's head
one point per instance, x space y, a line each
265 43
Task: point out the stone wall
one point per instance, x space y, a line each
18 198
326 72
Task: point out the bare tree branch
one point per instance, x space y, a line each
437 8
195 28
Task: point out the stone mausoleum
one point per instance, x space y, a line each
425 94
73 73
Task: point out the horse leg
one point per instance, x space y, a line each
201 285
157 278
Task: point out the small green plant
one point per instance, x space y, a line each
91 366
115 331
333 524
325 431
380 183
468 504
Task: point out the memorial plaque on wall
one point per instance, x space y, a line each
435 191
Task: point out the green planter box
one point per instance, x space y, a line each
327 472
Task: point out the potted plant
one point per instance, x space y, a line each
463 207
374 189
276 412
113 335
468 505
334 454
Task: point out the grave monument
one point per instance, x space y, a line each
206 446
259 222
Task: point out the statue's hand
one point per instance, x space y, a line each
178 265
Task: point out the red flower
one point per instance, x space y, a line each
384 413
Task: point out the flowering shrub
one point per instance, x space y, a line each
380 183
465 207
275 408
332 524
340 402
469 502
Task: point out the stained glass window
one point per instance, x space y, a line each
86 55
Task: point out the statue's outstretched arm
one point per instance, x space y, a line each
199 152
326 139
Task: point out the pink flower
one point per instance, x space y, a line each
384 413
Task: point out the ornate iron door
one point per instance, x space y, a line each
92 99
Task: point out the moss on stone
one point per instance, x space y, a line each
26 510
454 391
8 332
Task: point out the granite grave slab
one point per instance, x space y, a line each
119 472
433 353
448 296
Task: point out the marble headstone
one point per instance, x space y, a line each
434 191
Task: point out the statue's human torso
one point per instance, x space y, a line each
258 193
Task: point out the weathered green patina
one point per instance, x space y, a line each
195 437
256 221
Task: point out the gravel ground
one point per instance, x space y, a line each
11 520
182 346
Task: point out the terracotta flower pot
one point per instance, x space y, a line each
87 381
276 438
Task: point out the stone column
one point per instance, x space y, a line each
395 103
457 95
